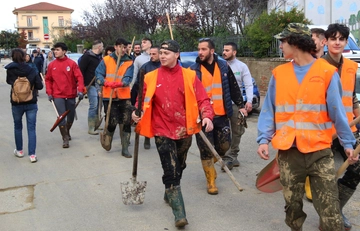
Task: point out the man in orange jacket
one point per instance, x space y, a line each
302 103
174 101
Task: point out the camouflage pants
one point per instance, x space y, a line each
173 155
219 137
120 113
319 166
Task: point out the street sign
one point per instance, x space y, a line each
46 36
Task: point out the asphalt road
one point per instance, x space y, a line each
79 188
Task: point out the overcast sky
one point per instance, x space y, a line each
8 19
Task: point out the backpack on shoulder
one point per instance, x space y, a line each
22 90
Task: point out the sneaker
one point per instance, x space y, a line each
19 154
33 158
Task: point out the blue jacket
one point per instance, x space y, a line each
230 88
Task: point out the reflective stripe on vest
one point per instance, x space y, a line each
213 87
300 110
347 77
121 92
144 127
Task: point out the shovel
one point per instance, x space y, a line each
59 118
220 160
134 193
103 134
268 179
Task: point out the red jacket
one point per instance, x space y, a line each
64 78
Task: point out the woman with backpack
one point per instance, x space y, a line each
23 100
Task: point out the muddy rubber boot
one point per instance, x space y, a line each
345 194
147 144
65 136
106 140
125 138
177 204
308 189
68 126
210 173
91 126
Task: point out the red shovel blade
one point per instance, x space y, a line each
59 119
268 180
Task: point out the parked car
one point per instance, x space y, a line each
74 56
188 58
357 90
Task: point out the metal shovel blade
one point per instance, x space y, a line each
133 193
98 123
268 180
59 119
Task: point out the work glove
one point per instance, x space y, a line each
80 95
50 97
113 84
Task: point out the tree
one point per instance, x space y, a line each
22 40
9 40
352 20
260 34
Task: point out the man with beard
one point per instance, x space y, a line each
146 43
174 101
243 76
222 88
137 50
318 35
153 64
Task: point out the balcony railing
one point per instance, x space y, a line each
32 39
28 27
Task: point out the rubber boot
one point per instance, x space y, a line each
125 138
65 136
106 138
345 194
91 126
177 204
147 144
68 126
308 189
210 173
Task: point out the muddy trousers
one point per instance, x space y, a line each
172 155
120 113
294 166
219 137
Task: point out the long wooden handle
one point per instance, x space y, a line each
220 160
169 24
57 113
345 165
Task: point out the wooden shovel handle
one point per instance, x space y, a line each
223 165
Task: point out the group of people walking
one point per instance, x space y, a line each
306 103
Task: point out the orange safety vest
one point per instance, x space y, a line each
347 78
300 109
121 92
213 87
144 127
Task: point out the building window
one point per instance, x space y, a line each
62 33
30 35
29 21
61 21
46 25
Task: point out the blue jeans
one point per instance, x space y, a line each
93 102
18 111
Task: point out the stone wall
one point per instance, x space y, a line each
260 70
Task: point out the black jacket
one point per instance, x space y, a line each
14 70
88 63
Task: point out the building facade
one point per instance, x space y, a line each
325 12
43 22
